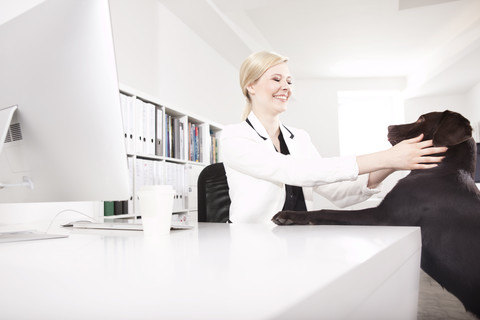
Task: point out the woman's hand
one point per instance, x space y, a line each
413 154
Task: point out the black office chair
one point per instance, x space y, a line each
213 198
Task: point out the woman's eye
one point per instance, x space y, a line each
289 82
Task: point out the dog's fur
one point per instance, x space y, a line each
443 201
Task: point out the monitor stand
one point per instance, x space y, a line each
6 116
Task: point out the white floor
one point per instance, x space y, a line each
435 303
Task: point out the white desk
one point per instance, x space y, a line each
217 271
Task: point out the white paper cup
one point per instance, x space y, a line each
156 206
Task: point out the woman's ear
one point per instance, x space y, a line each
251 88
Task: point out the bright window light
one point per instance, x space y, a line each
364 117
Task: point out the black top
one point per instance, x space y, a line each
294 199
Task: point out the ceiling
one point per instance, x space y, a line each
421 40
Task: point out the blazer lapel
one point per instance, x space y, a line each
256 125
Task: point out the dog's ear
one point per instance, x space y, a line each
453 129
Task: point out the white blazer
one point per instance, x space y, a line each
257 173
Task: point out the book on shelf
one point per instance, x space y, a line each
200 144
149 128
124 109
159 131
131 175
108 208
174 137
120 208
145 127
214 148
168 136
138 116
127 104
192 173
195 143
181 136
174 174
115 208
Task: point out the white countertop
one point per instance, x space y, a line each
216 271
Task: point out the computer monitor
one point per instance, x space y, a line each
60 116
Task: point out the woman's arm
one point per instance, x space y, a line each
376 177
244 151
411 154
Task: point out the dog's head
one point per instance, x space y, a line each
444 128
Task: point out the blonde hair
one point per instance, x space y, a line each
252 69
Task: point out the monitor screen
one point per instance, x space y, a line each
60 117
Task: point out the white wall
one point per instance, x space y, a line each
417 106
159 55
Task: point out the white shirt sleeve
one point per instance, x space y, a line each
243 150
347 193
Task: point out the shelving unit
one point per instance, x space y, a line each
165 145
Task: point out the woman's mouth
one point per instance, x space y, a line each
281 97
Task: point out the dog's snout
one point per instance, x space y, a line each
392 129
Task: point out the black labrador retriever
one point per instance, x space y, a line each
443 201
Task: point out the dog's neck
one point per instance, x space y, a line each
461 157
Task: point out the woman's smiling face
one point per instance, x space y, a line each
272 90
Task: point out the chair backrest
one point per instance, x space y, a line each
213 198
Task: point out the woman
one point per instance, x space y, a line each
272 167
